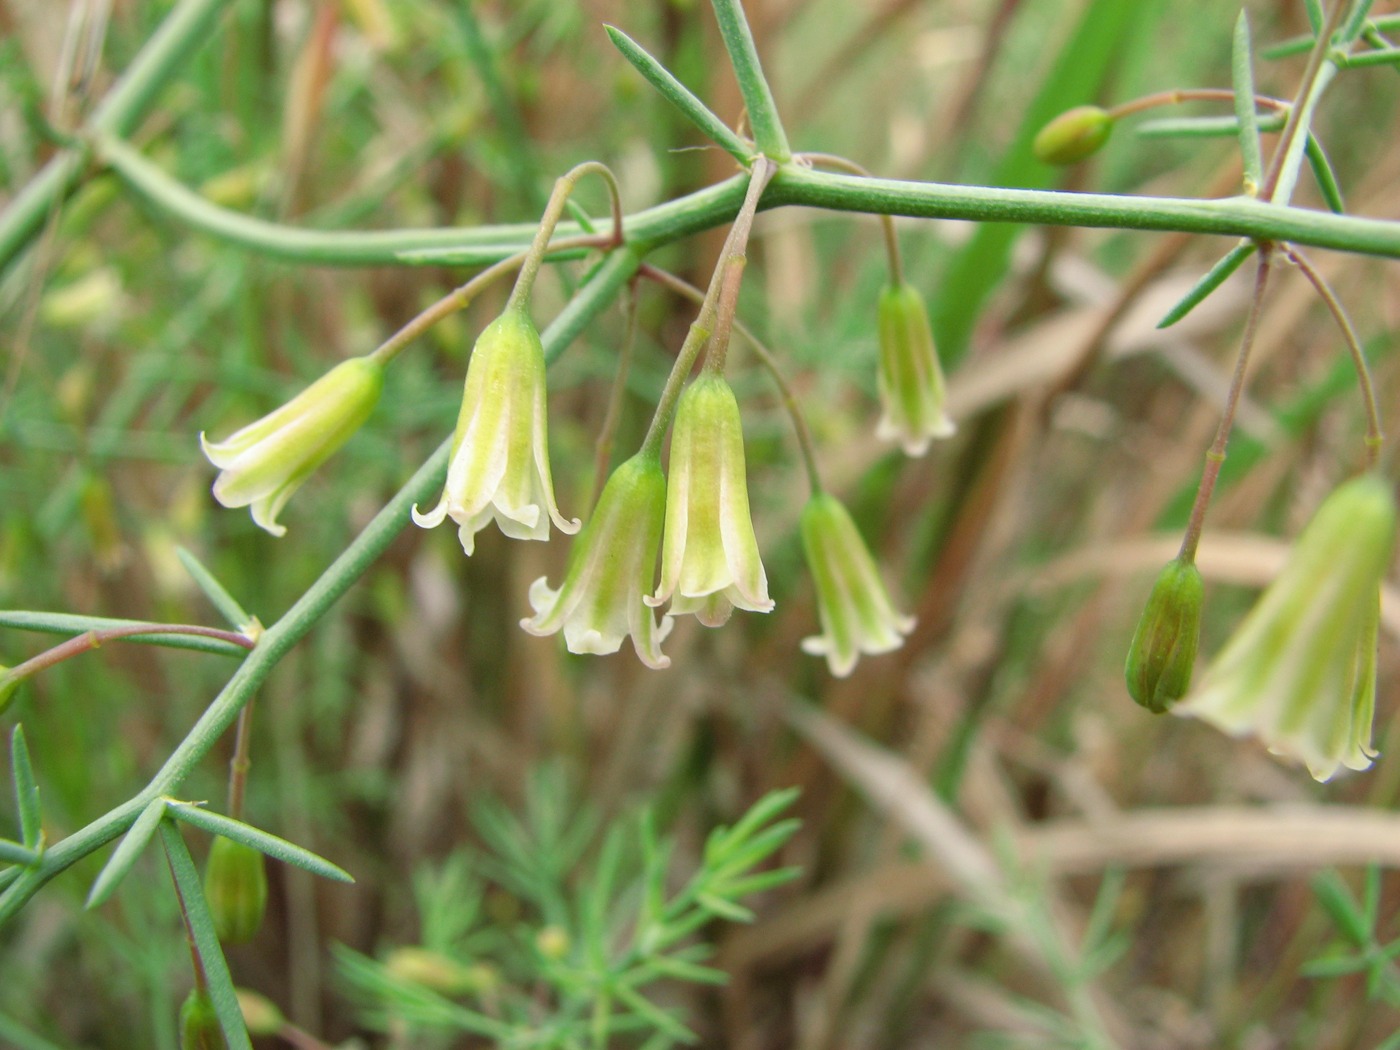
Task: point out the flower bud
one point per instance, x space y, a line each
1163 653
856 613
267 461
552 942
199 1024
235 884
1073 135
910 379
1300 672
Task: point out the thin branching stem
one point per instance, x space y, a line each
1176 97
90 640
892 253
1374 437
554 210
1215 455
768 359
607 431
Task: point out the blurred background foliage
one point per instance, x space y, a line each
1025 545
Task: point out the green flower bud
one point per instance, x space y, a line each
1163 653
267 461
1073 135
199 1024
1300 672
235 883
552 942
260 1014
910 379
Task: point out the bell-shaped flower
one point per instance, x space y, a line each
265 462
910 379
709 557
499 466
1300 672
856 613
610 571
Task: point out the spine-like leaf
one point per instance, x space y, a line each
31 821
218 982
1213 279
1326 178
1242 67
659 77
734 30
215 591
274 847
124 856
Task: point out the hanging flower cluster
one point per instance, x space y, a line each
661 542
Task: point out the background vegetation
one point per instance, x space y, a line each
995 842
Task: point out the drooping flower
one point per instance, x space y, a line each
235 886
709 557
499 466
1162 656
610 571
909 378
856 613
1300 672
267 461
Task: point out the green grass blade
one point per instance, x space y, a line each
1326 178
1213 279
124 856
676 93
768 131
1242 59
31 820
1078 72
276 848
206 941
215 591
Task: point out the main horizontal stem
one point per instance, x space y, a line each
718 204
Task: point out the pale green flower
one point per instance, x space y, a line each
1300 672
500 450
855 610
265 462
610 571
909 378
709 557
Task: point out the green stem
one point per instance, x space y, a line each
718 204
769 361
733 261
1358 355
892 253
734 29
563 186
607 431
602 286
1215 455
705 324
1175 98
177 39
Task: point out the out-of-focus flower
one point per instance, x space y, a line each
1163 653
265 462
856 614
500 450
910 380
709 557
1300 672
610 571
